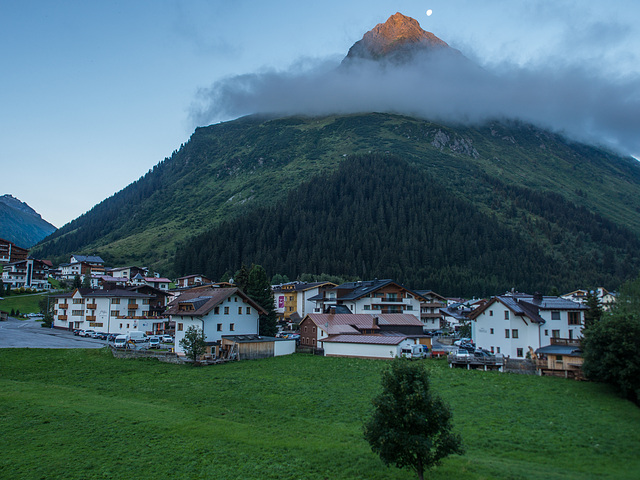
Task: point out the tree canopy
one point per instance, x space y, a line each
410 426
611 345
193 343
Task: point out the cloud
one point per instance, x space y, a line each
579 102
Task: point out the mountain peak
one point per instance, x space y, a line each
398 37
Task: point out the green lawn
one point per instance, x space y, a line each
81 414
26 303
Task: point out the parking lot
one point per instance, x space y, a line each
16 333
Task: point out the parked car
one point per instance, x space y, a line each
112 336
77 332
461 352
479 352
166 339
154 342
101 335
87 333
120 341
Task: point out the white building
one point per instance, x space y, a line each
217 312
292 301
515 324
29 273
110 311
372 296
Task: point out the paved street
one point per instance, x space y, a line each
29 334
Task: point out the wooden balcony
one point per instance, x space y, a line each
63 306
92 306
62 317
132 306
90 318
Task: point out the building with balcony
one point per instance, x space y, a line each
29 273
101 310
10 252
516 324
430 309
372 296
292 301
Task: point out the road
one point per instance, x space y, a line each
29 334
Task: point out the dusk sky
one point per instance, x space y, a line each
94 94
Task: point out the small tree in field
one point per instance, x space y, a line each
193 343
410 426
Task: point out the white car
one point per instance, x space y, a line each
166 339
87 333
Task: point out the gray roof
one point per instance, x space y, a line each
572 351
89 292
356 290
88 258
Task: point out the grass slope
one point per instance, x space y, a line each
227 169
82 414
25 303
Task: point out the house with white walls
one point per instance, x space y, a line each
109 311
361 335
217 311
515 324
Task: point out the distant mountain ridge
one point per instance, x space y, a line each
21 224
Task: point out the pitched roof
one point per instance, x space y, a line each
88 258
529 305
354 322
569 350
205 300
298 286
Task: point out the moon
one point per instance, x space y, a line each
429 12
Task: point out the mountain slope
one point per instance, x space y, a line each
21 224
226 170
378 216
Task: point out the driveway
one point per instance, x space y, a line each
16 333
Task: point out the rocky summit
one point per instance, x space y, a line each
397 39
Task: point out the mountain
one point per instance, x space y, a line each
457 209
21 224
398 39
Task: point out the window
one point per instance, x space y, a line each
115 301
305 329
558 358
497 349
216 310
574 318
555 333
77 313
519 352
232 327
491 313
226 310
115 313
219 327
145 301
506 314
248 310
291 298
78 301
546 333
367 307
514 333
180 326
314 329
506 333
408 307
555 315
235 299
491 331
239 310
492 349
120 326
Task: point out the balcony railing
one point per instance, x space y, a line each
132 306
90 318
92 306
62 317
63 306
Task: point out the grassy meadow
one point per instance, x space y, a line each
25 303
81 414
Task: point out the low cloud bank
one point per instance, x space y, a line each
578 102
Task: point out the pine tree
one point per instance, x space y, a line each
259 289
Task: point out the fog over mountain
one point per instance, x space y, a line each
582 102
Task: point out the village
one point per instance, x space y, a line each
377 318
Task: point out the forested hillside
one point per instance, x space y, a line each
499 170
378 216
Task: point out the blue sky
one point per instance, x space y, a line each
93 94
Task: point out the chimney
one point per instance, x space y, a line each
332 310
375 321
